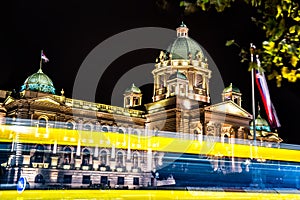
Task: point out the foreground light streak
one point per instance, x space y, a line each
145 194
33 135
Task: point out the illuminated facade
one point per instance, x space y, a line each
181 104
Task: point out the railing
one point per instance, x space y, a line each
103 108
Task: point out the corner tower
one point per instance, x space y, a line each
184 56
132 97
232 93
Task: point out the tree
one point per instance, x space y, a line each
279 19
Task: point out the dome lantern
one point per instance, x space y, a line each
133 89
182 30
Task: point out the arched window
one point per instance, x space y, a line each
39 179
87 127
196 133
135 101
104 129
120 159
70 125
103 157
67 155
121 130
42 122
135 160
86 157
226 138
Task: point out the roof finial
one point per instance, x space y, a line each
182 24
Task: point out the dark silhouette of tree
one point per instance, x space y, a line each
279 19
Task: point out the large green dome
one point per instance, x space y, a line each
39 82
183 46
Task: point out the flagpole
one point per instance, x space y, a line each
252 49
41 60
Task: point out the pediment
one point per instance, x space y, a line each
229 108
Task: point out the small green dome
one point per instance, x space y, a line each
177 74
39 82
261 124
231 88
133 89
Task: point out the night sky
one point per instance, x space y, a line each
68 31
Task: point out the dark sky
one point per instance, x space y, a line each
68 30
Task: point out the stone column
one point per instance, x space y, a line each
128 144
149 159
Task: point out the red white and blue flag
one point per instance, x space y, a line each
265 95
43 57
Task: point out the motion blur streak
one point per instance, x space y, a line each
166 142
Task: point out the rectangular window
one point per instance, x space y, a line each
67 178
86 179
136 181
120 181
103 180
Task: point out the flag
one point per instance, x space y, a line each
44 58
265 95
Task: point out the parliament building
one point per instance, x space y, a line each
181 106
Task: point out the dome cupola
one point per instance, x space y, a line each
231 88
133 89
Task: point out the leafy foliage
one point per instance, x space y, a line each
279 19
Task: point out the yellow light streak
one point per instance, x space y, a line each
27 134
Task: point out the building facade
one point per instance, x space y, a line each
181 106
